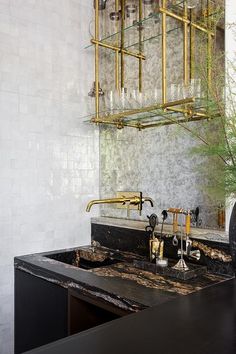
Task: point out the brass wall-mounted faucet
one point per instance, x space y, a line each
127 201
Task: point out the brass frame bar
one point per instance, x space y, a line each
117 82
185 45
122 124
117 123
170 122
163 10
152 108
192 46
97 60
186 111
163 54
209 59
118 49
203 29
122 61
209 49
177 17
140 64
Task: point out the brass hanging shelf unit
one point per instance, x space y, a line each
169 110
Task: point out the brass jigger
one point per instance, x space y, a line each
181 265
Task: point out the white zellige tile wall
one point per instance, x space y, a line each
49 159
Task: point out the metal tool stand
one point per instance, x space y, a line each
181 265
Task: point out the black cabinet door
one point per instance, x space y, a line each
40 312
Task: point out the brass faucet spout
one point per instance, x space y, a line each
110 201
135 200
147 199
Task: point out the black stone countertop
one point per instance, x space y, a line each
121 284
201 323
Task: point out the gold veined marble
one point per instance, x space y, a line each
213 253
156 281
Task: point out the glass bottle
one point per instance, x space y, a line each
150 17
131 18
114 23
148 8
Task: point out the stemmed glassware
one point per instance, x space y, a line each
196 87
128 100
125 100
179 91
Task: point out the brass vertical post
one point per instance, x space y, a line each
117 53
140 46
209 60
164 53
192 45
122 63
97 60
209 48
185 46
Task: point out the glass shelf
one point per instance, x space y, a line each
135 46
150 29
134 40
157 116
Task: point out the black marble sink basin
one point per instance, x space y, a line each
84 259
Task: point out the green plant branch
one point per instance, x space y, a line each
214 93
196 135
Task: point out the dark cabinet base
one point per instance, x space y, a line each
40 312
45 312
